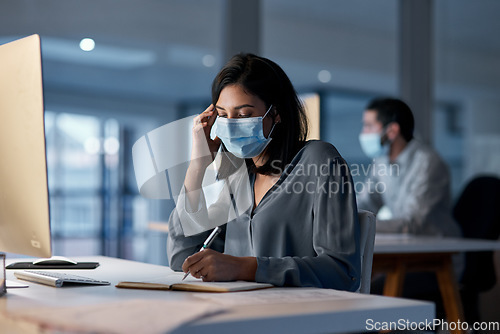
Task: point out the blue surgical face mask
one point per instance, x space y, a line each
371 144
243 137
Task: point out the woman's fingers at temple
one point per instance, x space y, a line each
212 117
204 116
205 121
204 148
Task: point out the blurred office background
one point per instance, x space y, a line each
153 62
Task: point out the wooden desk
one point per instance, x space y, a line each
395 255
344 312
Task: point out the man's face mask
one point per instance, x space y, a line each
371 144
243 137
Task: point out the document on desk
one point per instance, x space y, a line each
115 317
174 281
279 296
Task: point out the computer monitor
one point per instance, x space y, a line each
24 198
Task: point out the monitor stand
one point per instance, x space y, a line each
55 262
4 282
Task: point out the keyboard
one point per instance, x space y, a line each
56 279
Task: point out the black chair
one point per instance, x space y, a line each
477 211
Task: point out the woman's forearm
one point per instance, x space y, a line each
192 184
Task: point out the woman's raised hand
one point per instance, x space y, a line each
204 148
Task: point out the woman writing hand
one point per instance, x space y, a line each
210 265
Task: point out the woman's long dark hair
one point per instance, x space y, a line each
265 79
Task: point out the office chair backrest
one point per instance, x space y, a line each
478 214
367 240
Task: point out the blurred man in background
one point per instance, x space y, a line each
407 186
407 178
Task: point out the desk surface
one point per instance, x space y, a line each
397 243
249 312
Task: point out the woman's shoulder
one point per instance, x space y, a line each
319 150
318 158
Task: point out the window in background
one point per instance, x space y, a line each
95 205
449 141
139 240
341 116
466 52
312 106
75 178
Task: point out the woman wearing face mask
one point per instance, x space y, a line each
287 209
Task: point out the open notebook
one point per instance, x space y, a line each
174 281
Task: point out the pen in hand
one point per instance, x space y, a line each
207 244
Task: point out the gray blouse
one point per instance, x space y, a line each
304 231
